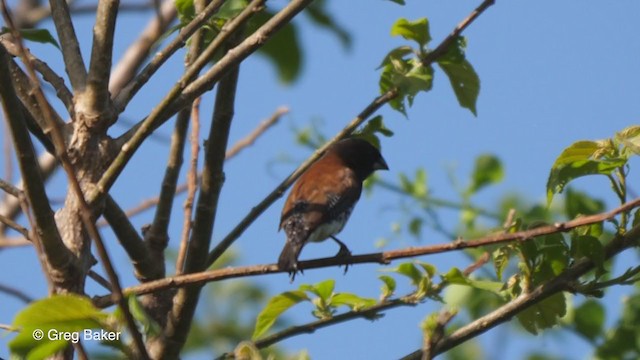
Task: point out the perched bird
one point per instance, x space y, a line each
322 199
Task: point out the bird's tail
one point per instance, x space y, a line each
288 259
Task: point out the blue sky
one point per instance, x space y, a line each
551 73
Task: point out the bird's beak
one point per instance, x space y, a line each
380 165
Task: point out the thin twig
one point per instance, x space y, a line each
444 45
18 294
9 242
14 225
100 280
192 183
380 257
10 189
259 130
50 76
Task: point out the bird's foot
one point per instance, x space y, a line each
293 271
344 252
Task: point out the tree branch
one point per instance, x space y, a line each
124 96
63 93
380 257
444 45
74 65
97 95
146 267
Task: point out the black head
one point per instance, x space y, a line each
359 155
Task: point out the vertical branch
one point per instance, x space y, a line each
101 56
192 183
186 299
73 63
197 43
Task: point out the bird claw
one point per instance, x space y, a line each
292 273
344 252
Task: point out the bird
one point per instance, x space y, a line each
322 199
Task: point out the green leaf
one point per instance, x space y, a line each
409 270
186 10
501 260
61 314
455 52
274 308
455 276
231 8
65 312
247 350
580 203
582 158
353 301
589 247
589 319
630 140
417 30
371 129
488 170
429 269
319 16
283 50
396 54
388 286
323 289
150 328
400 2
543 315
42 36
415 226
464 81
409 77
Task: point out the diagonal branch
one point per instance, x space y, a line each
124 96
60 258
162 112
139 50
50 76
